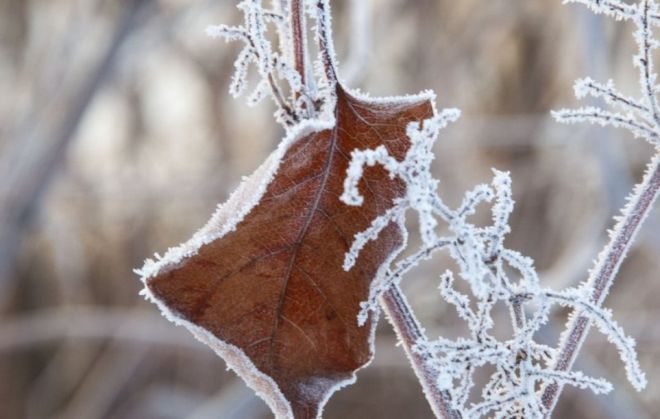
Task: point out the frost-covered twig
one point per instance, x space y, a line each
495 275
324 39
298 38
385 291
606 118
409 333
616 8
643 119
287 63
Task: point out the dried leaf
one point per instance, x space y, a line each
262 283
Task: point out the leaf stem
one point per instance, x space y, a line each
603 275
410 332
298 39
274 87
324 33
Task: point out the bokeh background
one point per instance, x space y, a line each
118 138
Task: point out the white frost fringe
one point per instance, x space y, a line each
494 274
224 221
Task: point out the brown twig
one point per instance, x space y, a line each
410 333
601 279
393 301
297 18
325 41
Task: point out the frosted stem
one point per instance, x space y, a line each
279 99
297 17
324 34
601 278
410 332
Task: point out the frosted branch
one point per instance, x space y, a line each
495 275
588 87
643 15
614 8
282 69
604 118
575 379
606 324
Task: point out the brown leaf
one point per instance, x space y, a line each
263 283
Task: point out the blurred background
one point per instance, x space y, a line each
118 139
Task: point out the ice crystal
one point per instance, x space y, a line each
277 76
494 273
640 116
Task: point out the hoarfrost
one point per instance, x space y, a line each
494 273
278 76
239 204
640 116
642 119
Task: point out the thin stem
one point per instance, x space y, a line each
602 277
298 35
325 40
298 39
646 65
274 87
410 332
279 99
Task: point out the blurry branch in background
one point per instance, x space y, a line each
111 371
36 147
139 327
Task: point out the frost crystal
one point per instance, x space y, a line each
640 116
494 274
304 100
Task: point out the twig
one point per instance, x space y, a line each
410 332
640 204
325 41
90 323
114 368
297 17
602 278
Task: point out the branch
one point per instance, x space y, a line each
298 39
603 275
615 8
410 333
324 38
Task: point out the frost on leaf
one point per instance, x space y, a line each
262 283
494 274
264 277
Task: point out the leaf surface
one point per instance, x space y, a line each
262 283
